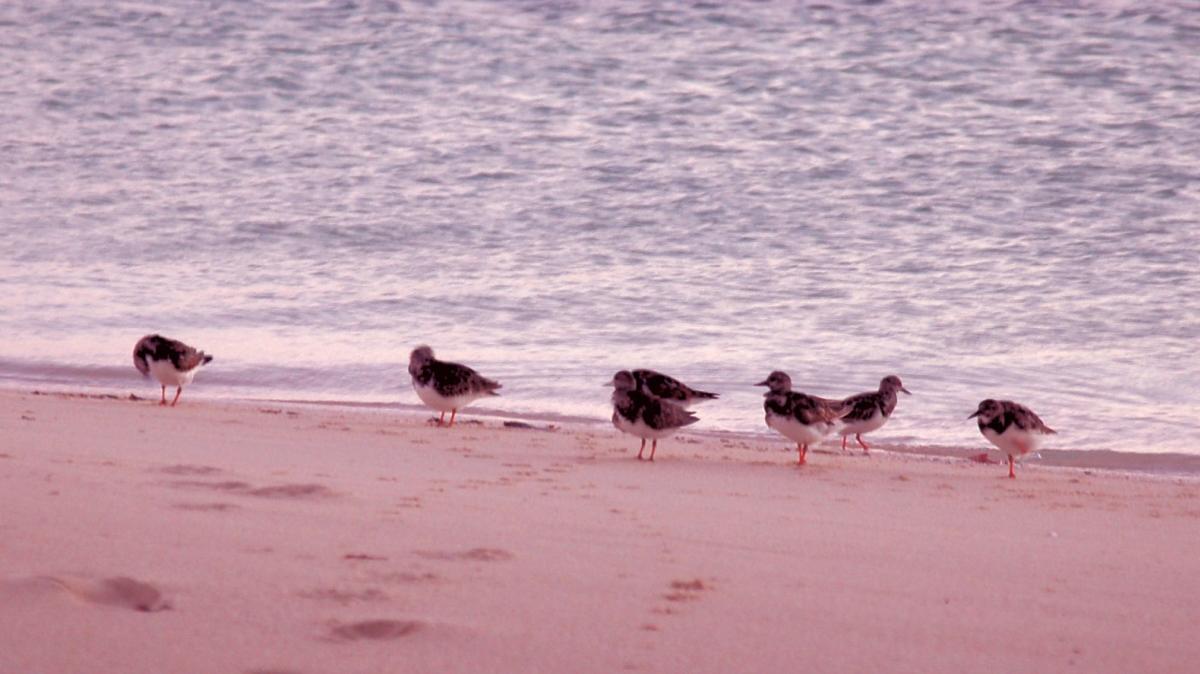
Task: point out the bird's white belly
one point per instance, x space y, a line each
863 425
164 371
441 403
1015 442
640 429
795 431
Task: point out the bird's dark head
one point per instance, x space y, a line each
419 356
892 383
988 409
778 381
623 381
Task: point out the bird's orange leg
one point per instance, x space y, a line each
843 443
442 419
801 451
858 436
641 449
452 413
1011 473
178 390
164 395
653 448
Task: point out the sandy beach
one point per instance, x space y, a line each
263 538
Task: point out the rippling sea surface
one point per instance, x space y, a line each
987 199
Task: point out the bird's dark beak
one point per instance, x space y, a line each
906 390
607 383
762 383
974 414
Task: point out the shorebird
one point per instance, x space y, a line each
797 416
645 416
869 411
170 361
445 386
1012 427
664 387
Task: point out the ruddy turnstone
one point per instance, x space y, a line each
869 411
797 416
645 416
444 386
170 361
664 387
1012 427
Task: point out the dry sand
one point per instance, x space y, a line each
242 538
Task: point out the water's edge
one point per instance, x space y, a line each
987 204
1159 464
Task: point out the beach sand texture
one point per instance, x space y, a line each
256 538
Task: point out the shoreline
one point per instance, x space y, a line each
1165 464
934 421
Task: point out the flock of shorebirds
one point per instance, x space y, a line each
652 406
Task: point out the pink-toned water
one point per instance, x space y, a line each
987 201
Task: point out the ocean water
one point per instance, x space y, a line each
986 199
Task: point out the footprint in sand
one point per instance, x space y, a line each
120 591
363 557
293 491
189 469
344 597
680 592
374 630
472 555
